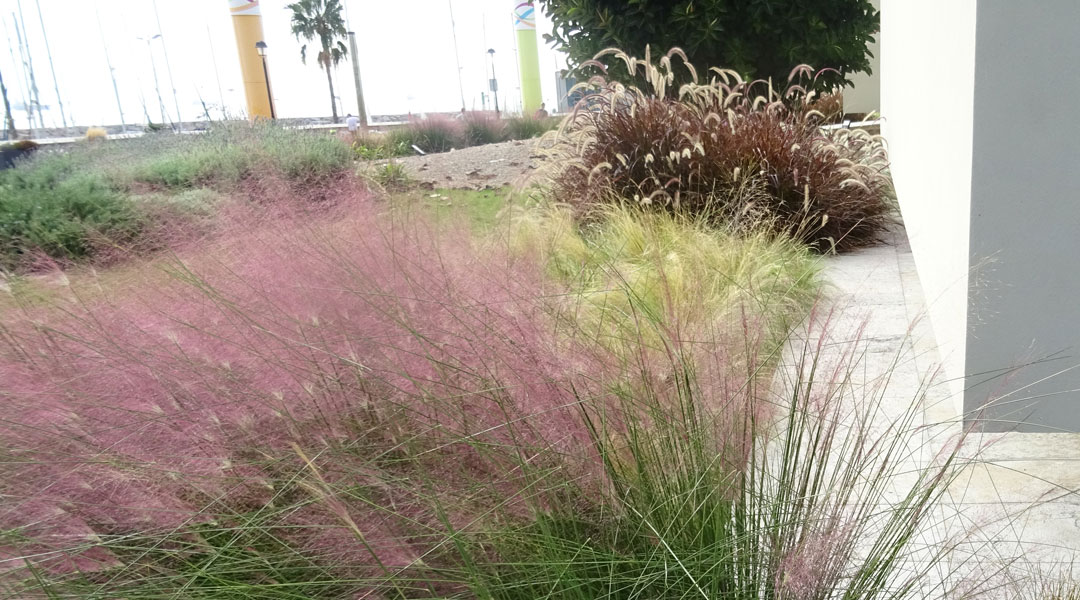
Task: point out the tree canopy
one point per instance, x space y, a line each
758 38
320 20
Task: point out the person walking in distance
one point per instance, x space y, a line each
353 123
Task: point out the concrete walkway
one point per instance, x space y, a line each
1014 509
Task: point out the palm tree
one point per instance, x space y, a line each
321 19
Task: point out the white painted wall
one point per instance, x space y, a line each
927 101
865 96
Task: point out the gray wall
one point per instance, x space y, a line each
1024 286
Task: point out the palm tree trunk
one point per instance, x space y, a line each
333 103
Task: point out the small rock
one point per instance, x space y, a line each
427 185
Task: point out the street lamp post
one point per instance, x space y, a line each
260 46
494 81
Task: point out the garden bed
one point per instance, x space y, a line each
489 166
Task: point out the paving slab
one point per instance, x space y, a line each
1014 508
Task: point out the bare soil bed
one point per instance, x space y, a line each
490 166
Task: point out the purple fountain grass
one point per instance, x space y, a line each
727 150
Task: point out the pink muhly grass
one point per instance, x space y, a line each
815 565
164 406
483 127
433 133
360 387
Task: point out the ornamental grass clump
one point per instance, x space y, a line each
230 154
482 127
433 133
682 270
276 409
528 126
371 406
100 202
734 150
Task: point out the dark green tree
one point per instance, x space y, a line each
758 38
321 20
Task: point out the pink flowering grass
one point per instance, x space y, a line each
356 404
432 133
349 387
483 127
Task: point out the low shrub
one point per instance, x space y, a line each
202 163
231 153
14 152
440 133
56 211
391 175
730 150
301 156
379 146
70 206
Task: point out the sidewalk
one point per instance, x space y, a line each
1016 503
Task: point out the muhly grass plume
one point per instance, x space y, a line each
483 127
371 406
332 399
433 133
143 415
441 133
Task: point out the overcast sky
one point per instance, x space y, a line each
406 58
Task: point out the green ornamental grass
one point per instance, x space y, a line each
66 207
